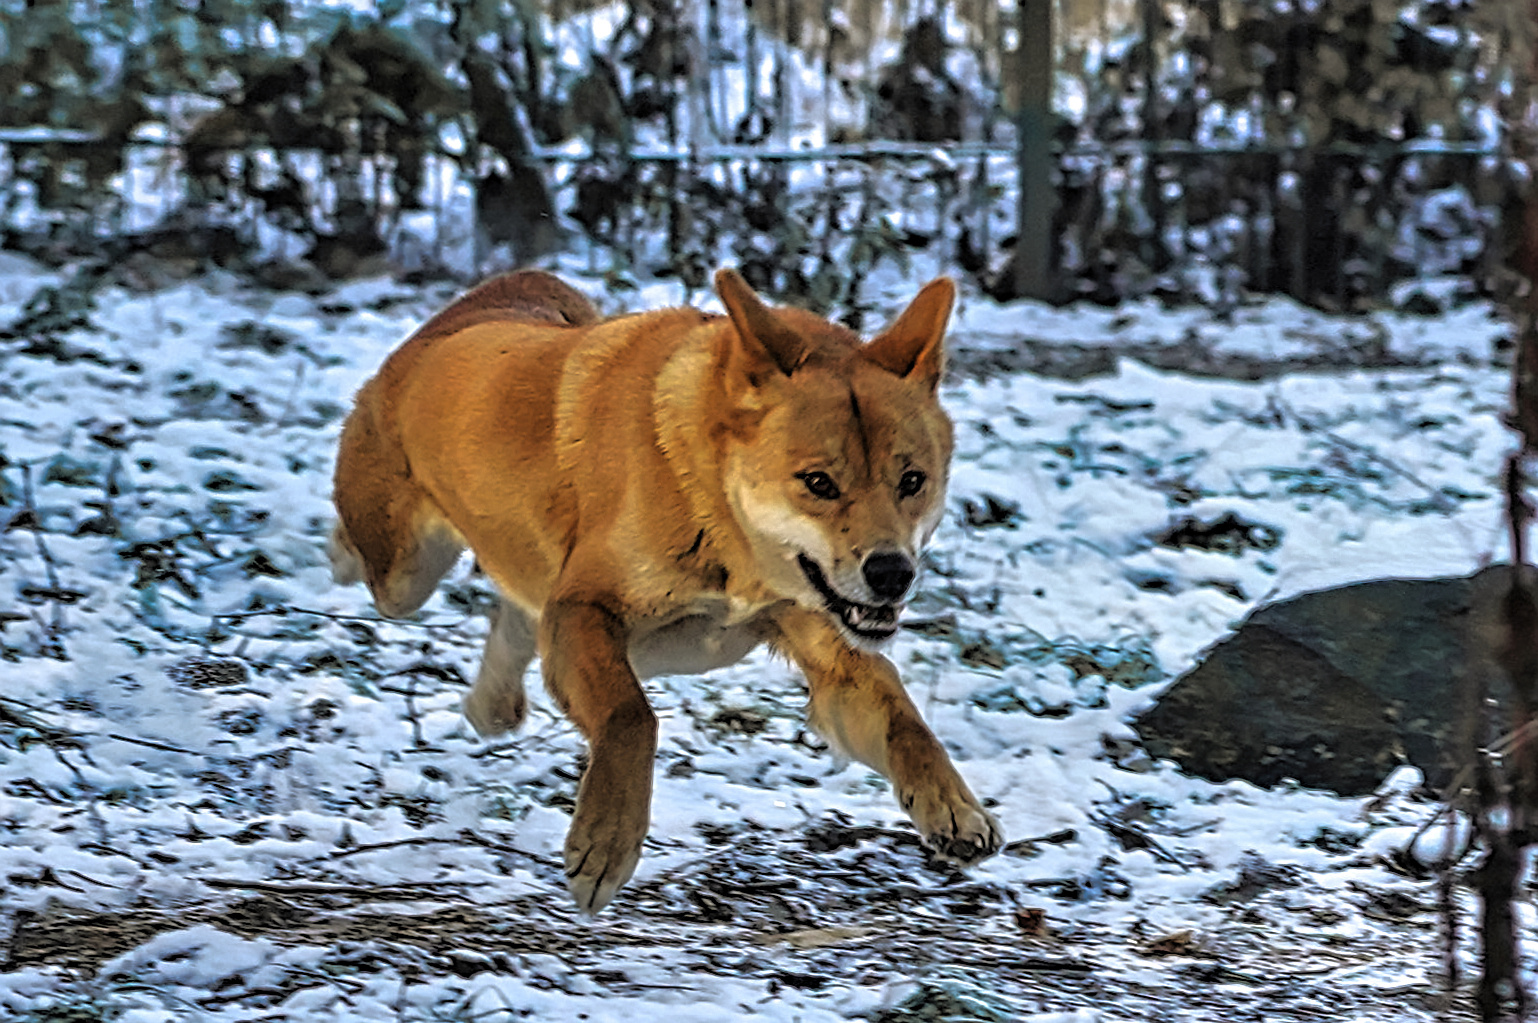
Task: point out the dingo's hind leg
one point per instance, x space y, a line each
390 532
497 704
415 572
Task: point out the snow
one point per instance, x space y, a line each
264 800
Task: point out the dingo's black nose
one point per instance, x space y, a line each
889 574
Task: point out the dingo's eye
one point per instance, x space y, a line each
911 483
820 484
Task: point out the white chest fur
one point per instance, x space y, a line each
712 633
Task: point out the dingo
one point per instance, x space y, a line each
662 492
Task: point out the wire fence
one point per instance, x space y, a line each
666 140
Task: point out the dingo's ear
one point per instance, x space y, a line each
914 345
764 337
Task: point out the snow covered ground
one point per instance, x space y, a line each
228 791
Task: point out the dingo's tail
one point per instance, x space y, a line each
520 295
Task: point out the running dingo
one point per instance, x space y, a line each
663 492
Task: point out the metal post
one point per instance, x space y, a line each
1154 256
1033 276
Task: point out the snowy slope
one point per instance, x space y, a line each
231 792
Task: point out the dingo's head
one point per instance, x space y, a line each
838 452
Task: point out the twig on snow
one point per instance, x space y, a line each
339 854
334 888
1127 832
284 610
292 400
153 744
1444 504
54 593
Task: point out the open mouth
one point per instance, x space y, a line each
868 621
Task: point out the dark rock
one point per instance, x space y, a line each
1419 303
1338 687
205 672
292 275
990 511
1229 533
1254 876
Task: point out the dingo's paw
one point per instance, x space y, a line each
495 713
954 825
346 565
497 704
602 850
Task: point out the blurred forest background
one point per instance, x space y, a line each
1196 150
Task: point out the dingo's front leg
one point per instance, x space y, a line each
859 705
587 670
